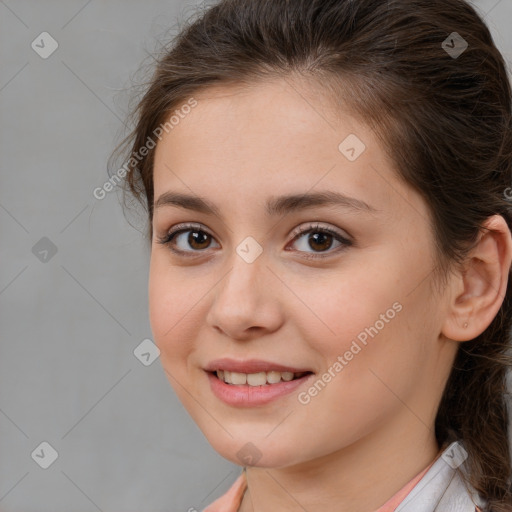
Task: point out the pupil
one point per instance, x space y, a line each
195 236
314 238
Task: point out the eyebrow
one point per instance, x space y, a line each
275 205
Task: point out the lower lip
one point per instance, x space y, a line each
249 396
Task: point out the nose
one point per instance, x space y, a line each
246 302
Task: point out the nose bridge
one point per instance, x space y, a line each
247 264
242 298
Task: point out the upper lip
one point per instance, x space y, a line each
250 366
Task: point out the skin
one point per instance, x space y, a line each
238 147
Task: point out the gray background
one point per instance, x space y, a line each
70 321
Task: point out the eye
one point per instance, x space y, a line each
320 239
197 238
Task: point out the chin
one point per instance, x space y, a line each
259 452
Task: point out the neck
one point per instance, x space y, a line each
357 478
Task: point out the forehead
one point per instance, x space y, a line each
270 138
280 115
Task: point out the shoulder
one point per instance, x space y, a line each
230 501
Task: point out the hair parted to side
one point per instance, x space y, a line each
445 122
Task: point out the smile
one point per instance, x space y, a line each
254 389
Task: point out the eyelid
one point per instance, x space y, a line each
311 226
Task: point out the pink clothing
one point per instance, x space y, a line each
230 502
395 500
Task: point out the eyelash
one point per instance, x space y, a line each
297 233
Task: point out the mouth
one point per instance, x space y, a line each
253 382
255 389
268 378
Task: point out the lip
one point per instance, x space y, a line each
251 396
250 366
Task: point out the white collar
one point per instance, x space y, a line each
443 486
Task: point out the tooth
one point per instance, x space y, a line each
273 377
257 379
238 378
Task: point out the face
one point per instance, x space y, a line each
337 289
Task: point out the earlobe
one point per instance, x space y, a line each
479 290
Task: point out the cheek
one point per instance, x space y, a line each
359 305
368 364
381 350
367 324
160 301
173 310
171 307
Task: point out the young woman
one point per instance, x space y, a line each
327 189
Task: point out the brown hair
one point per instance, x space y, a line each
444 119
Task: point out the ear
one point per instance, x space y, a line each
479 289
